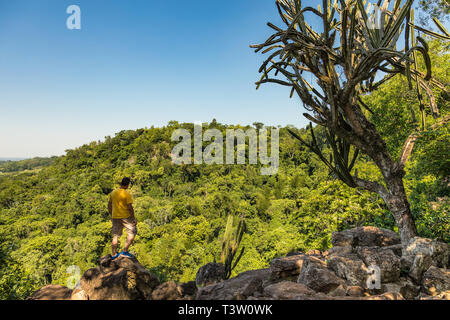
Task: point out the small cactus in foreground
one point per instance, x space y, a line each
230 244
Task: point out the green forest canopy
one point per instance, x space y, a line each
53 211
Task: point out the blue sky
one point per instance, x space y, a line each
133 64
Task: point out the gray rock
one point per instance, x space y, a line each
339 251
421 263
210 273
166 291
365 237
404 286
349 267
438 251
281 268
436 280
339 291
385 259
396 248
240 287
187 289
318 277
287 290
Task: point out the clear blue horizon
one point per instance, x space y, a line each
133 64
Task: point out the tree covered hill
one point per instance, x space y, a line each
26 164
56 217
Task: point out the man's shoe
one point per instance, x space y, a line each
126 254
115 256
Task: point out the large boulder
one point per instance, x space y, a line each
240 287
385 259
365 237
349 267
421 253
209 274
436 280
419 265
120 279
286 267
51 292
318 277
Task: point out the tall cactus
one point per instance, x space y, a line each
331 68
230 244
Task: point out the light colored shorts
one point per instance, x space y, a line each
119 224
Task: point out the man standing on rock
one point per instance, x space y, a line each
120 207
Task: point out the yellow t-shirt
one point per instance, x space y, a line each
120 199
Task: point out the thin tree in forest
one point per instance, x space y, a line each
358 47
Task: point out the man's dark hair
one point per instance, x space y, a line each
125 181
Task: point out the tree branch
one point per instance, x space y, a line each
372 187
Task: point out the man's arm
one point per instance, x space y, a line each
110 207
130 208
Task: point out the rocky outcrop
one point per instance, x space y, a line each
418 271
119 279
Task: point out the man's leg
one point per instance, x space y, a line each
130 225
115 243
129 241
116 233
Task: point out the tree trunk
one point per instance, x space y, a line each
394 194
397 203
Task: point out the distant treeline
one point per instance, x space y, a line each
28 164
